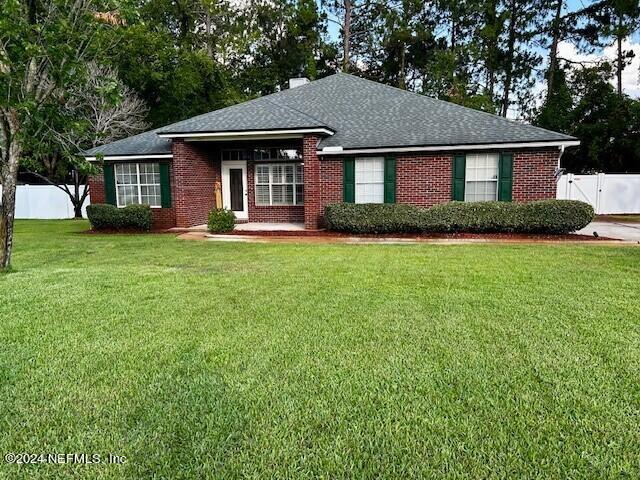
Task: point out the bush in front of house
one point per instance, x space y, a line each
545 216
476 217
555 216
221 220
372 217
109 217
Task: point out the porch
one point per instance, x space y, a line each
263 182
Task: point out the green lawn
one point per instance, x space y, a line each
232 360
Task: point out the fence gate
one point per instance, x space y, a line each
607 193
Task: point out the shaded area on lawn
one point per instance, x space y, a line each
198 359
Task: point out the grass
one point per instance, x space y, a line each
629 218
231 360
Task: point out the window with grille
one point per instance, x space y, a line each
481 177
138 183
279 184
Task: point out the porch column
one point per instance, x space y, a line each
194 175
312 203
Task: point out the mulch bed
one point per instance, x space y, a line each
319 234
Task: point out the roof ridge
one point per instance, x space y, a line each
288 107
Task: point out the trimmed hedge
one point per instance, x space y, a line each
221 220
104 216
371 217
546 216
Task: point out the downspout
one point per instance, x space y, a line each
559 170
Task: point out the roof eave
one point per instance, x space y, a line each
136 156
233 134
440 148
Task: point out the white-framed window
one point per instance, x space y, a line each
481 177
279 184
369 180
138 183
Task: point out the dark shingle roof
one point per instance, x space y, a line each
366 114
147 143
263 113
363 114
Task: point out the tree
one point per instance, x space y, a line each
288 41
100 110
44 46
519 61
626 18
607 124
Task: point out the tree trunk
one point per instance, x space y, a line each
7 210
619 63
346 36
553 53
508 71
402 76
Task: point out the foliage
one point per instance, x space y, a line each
221 220
372 217
109 217
547 216
319 361
607 124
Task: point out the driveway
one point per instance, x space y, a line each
620 230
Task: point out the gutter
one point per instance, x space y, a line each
442 148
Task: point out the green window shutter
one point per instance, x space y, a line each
109 184
505 177
349 180
459 167
390 180
165 186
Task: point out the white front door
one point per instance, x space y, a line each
234 188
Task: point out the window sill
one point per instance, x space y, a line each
280 205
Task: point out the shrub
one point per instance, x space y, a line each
137 217
479 217
221 220
108 217
555 216
102 216
546 216
371 217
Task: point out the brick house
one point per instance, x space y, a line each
285 156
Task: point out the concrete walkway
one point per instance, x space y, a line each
621 231
269 227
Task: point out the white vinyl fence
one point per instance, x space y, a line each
607 193
44 201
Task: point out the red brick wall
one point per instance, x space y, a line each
163 218
533 175
312 183
273 214
424 179
195 170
